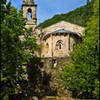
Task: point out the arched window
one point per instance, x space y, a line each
59 44
29 14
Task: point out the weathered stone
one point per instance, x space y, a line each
59 45
56 47
29 6
57 98
64 25
34 98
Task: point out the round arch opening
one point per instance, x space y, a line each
29 14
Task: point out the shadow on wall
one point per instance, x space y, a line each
37 84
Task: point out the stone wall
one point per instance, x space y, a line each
52 66
48 41
47 62
64 25
49 45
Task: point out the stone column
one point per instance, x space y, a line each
68 44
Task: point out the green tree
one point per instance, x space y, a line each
81 75
15 50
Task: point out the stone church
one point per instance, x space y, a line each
57 41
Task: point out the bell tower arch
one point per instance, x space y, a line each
29 13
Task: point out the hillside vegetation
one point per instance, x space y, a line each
81 75
78 16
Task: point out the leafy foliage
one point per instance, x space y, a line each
81 76
79 16
17 48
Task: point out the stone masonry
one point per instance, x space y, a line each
57 42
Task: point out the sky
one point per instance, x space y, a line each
46 9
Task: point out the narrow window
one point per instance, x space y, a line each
47 45
59 44
29 14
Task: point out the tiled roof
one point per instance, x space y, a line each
63 31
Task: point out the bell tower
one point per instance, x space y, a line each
29 13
